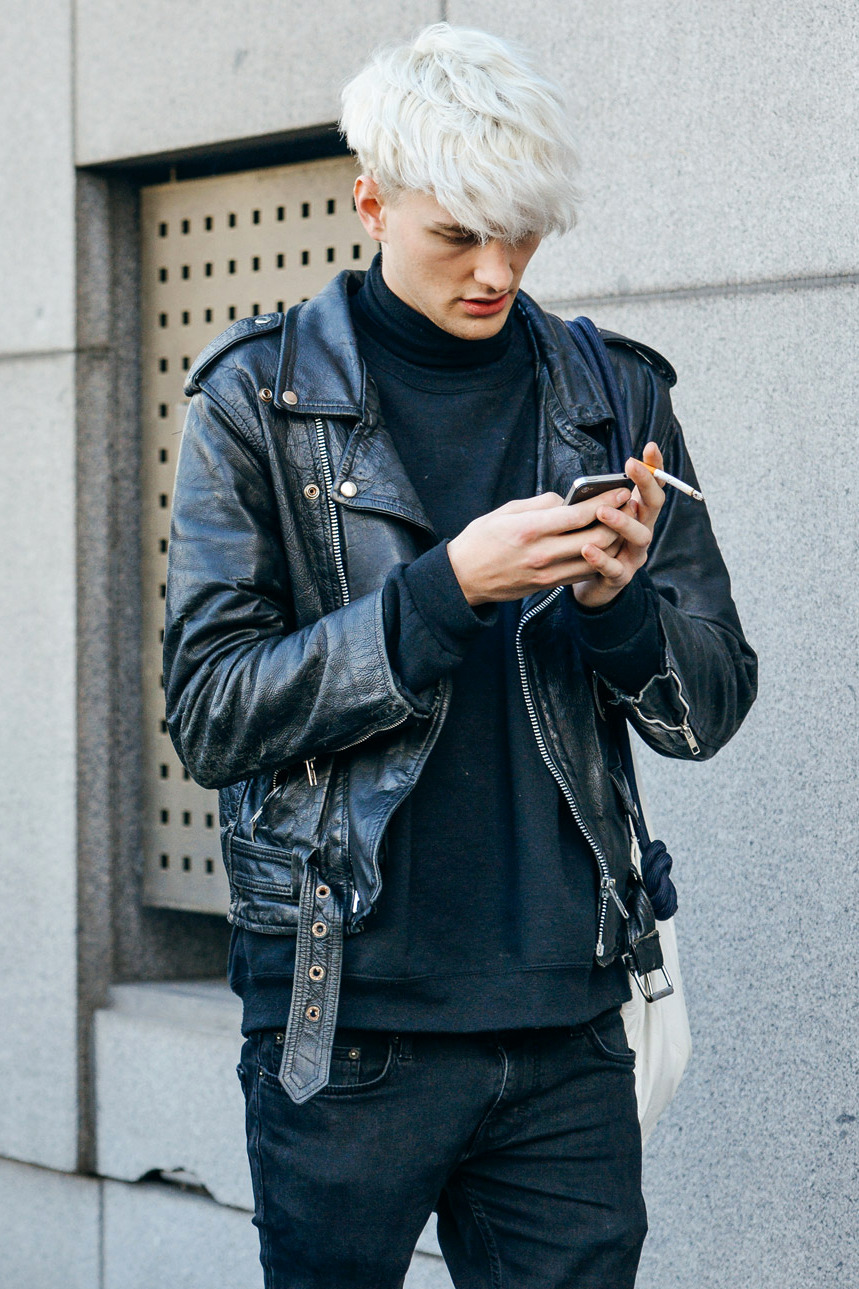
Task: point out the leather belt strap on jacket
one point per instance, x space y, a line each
309 1037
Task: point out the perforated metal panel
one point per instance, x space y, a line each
213 250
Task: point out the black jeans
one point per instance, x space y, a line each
526 1143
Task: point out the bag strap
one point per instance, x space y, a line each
655 859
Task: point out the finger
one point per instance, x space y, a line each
570 519
648 492
631 529
545 501
608 567
652 455
559 547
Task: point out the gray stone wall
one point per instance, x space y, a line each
719 162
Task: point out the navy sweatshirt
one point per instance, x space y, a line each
487 918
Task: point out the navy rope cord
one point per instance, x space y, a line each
655 860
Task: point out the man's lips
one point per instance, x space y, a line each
483 308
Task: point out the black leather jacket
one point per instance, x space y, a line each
290 507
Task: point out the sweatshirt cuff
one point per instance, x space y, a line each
622 640
429 624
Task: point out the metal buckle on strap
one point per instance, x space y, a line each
309 1036
652 995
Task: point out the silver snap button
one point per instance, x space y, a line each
354 1054
266 395
348 488
290 397
311 492
260 322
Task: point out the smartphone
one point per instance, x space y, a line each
591 485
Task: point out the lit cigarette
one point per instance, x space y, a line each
675 483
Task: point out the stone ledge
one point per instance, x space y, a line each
167 1097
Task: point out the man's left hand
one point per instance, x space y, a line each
634 524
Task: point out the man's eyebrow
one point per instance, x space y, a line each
452 228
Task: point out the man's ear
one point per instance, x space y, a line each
370 207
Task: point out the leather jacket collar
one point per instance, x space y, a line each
321 369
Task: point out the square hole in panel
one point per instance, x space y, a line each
162 230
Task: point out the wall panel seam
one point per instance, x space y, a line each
714 290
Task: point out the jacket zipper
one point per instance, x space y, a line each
684 727
608 888
266 799
328 480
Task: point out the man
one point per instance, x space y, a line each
401 657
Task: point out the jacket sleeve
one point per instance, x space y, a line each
708 678
245 690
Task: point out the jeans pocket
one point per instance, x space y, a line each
361 1060
607 1037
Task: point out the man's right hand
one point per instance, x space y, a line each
530 545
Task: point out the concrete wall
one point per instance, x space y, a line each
720 163
38 1020
719 150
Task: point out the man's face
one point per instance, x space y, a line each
440 269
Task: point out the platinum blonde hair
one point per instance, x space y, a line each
468 119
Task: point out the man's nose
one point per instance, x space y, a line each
492 268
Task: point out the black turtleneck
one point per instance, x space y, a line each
487 917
